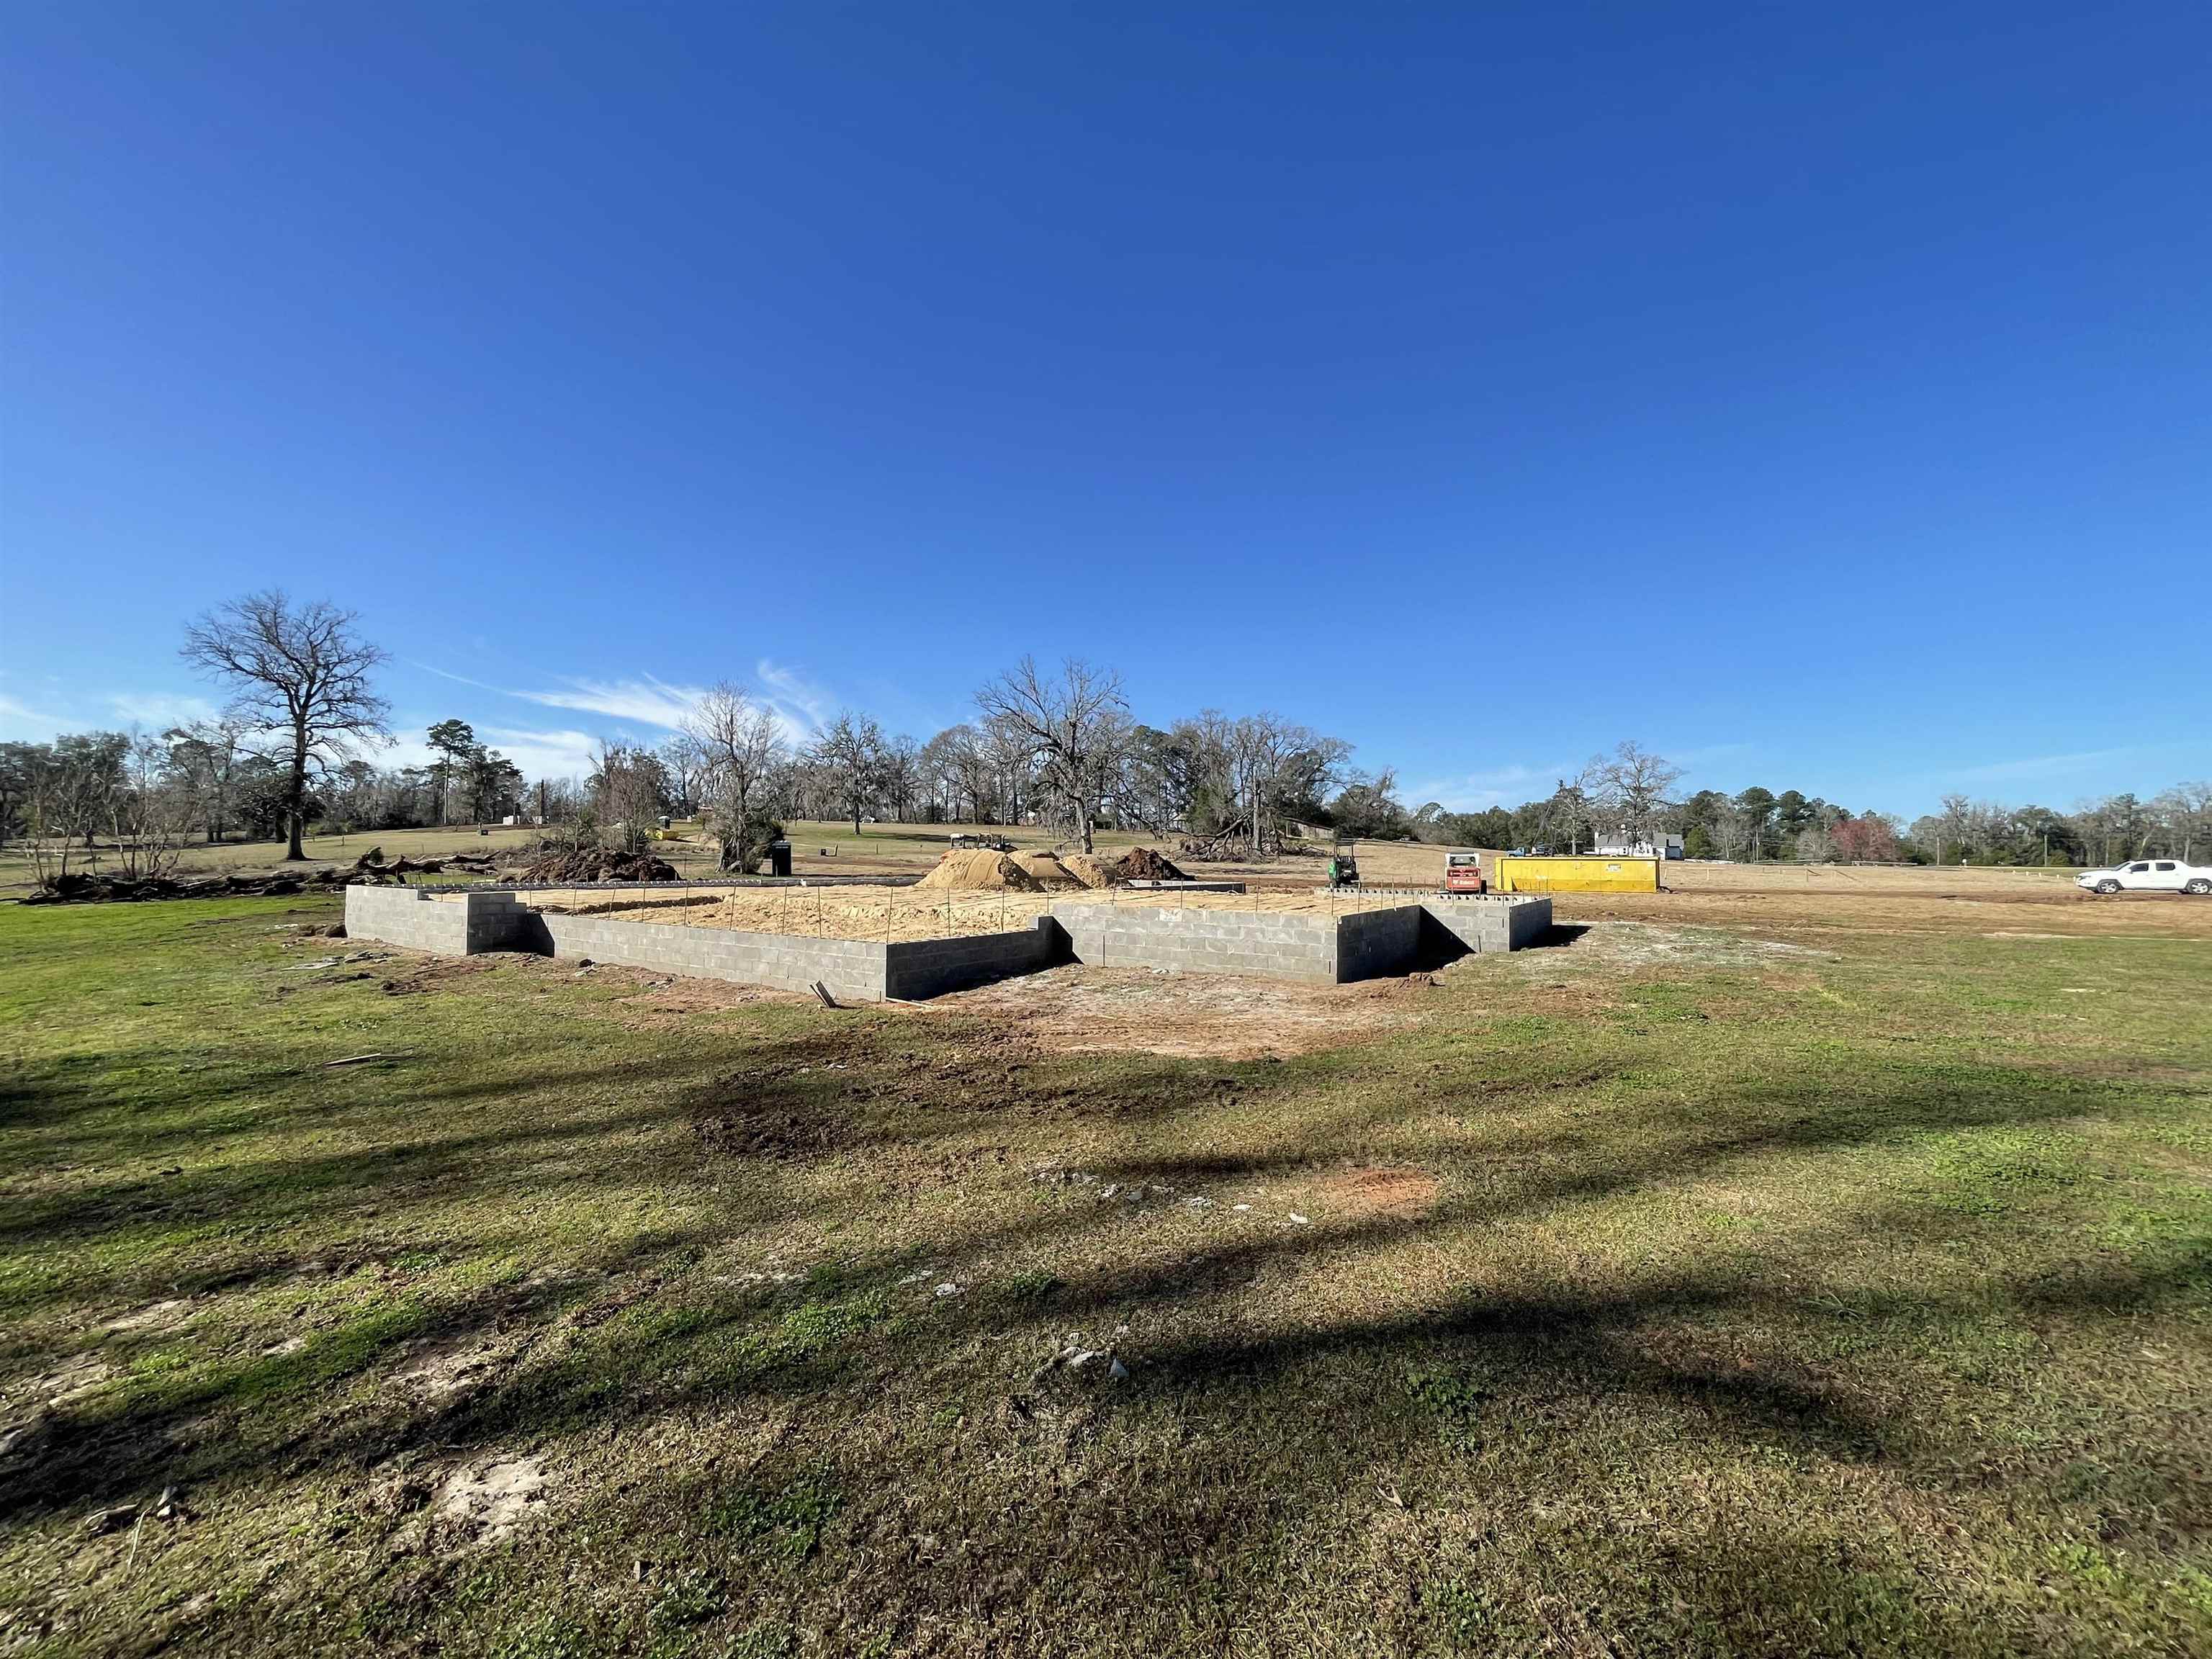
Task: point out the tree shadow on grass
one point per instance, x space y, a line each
630 1363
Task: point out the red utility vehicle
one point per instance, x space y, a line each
1463 873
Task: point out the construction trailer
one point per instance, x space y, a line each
1591 873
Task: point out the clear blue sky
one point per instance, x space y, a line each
1822 395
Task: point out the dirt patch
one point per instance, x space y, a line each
414 974
156 1317
483 1501
983 871
1077 1009
441 1370
661 1002
1385 1194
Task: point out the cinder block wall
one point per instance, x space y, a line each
1492 922
913 969
851 969
1200 941
1527 922
409 916
1370 944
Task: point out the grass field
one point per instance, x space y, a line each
1809 1285
826 847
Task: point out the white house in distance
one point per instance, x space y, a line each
1619 843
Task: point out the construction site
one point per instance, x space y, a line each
979 915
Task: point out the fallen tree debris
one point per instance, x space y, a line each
79 888
575 865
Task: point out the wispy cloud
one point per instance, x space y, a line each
543 754
158 711
1502 785
800 707
1691 759
643 701
21 723
2044 766
800 704
557 754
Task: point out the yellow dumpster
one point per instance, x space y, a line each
1588 873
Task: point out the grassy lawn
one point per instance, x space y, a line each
1716 1299
817 848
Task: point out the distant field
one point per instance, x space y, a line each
200 859
912 849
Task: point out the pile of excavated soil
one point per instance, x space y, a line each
598 864
1049 872
1089 869
982 872
1144 864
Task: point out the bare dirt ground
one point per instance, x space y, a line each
1075 1010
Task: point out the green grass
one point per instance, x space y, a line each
815 846
1844 1304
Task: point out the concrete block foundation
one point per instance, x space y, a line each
1315 949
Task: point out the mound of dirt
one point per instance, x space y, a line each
1144 864
1089 869
587 864
1049 872
981 871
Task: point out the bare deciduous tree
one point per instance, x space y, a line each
299 674
1628 789
849 754
741 755
150 812
208 754
628 790
1069 725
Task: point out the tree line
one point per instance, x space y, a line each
1053 746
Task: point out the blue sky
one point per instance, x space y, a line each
1821 396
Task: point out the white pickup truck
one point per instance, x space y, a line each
2148 876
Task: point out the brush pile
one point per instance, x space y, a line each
371 870
79 888
573 866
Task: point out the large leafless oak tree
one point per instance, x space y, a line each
1074 724
299 675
